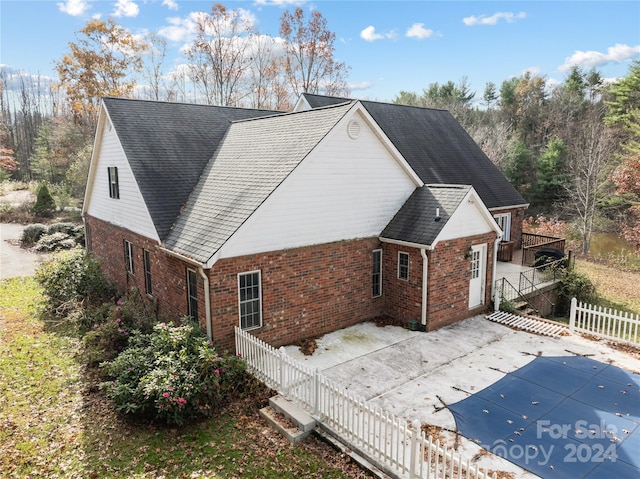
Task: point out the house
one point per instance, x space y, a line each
296 224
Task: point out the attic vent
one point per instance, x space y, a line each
353 129
109 125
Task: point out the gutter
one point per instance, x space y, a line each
496 245
205 279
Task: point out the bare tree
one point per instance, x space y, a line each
310 65
591 146
154 54
220 55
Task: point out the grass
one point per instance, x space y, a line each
616 289
54 422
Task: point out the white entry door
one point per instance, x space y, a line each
477 275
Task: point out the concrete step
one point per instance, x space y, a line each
295 413
284 427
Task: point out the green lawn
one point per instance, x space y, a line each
54 422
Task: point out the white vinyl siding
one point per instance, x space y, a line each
468 220
250 300
129 211
346 189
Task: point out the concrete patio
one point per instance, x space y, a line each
414 374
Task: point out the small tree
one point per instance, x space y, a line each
45 204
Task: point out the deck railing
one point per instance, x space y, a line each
384 439
531 243
604 322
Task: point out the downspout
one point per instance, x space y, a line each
496 245
207 301
425 270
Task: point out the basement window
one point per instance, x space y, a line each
147 272
128 256
250 300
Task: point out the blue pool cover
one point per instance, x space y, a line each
559 417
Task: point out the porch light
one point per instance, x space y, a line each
469 253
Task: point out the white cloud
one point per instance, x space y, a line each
75 8
279 3
590 59
509 17
357 86
170 4
369 34
179 29
126 8
418 31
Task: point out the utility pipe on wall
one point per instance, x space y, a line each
207 301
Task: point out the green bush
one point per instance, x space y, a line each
107 328
32 233
73 277
54 242
573 285
172 374
45 204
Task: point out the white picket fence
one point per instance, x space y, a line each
387 441
604 322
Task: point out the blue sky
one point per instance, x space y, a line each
389 45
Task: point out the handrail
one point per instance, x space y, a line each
534 289
517 296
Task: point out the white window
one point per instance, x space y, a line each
128 256
114 187
475 264
250 300
504 222
376 274
403 266
192 293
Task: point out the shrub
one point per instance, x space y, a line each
45 204
72 277
55 241
32 233
573 285
172 374
107 328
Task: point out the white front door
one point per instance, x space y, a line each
477 275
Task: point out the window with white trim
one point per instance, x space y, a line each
114 187
376 273
250 300
147 272
403 266
128 256
475 264
192 293
504 222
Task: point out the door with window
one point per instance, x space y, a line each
477 273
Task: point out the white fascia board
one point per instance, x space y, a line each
509 207
95 151
408 244
395 153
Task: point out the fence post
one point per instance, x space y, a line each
316 392
283 353
572 315
415 430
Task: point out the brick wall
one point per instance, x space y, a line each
168 273
403 298
448 288
306 292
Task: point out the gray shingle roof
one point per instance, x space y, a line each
168 145
416 221
438 149
243 173
319 101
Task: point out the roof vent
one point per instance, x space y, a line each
438 218
353 129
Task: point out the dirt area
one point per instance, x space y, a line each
17 198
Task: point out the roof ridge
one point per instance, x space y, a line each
205 105
290 113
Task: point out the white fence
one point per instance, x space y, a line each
603 322
388 442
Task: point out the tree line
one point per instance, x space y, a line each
572 150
